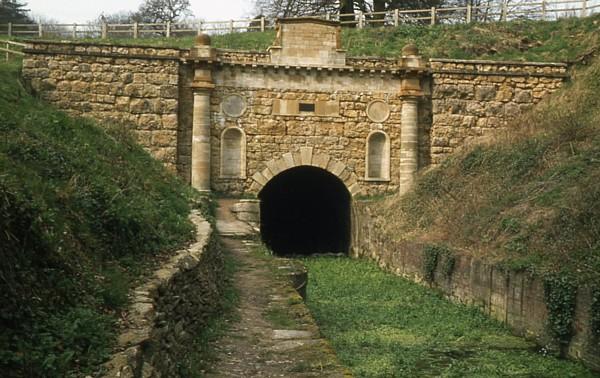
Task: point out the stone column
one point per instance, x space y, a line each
410 92
409 143
201 140
202 86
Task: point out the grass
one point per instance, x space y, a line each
201 355
384 326
562 40
84 211
549 220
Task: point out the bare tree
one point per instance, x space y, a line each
295 8
156 11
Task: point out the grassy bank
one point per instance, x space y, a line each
83 212
384 326
561 40
526 200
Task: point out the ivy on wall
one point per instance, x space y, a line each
434 255
560 292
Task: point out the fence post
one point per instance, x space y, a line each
432 15
135 30
504 14
104 30
7 54
469 14
230 26
40 30
360 20
10 29
168 29
543 10
584 8
262 23
327 16
199 28
74 35
396 17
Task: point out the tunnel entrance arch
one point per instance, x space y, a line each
305 210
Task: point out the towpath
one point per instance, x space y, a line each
274 334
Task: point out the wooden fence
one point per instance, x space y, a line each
11 48
503 11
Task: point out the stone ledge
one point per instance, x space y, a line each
149 317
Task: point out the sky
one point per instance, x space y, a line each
80 11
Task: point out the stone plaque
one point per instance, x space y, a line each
233 105
378 111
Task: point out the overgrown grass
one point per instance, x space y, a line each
201 355
527 200
384 326
83 209
562 40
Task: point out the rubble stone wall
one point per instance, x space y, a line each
134 86
471 99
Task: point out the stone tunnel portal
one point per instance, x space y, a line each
305 210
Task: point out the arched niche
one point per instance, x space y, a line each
233 153
377 157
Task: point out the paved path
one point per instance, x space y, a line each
275 335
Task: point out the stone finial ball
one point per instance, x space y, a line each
410 49
202 40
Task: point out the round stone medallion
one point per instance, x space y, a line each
378 111
233 105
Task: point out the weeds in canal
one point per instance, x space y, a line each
384 326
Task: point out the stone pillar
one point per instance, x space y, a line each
202 86
410 92
201 141
409 143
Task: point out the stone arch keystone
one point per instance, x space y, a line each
306 157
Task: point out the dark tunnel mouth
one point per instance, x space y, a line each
305 210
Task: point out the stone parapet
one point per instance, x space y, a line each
502 68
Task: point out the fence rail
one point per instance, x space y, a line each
12 48
504 11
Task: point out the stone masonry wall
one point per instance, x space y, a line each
474 98
514 298
135 86
169 309
149 90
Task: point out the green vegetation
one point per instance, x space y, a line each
201 355
562 40
384 326
560 292
83 212
528 200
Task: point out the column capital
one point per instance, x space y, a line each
202 86
411 94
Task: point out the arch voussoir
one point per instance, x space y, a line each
306 156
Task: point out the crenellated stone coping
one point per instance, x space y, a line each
144 320
326 69
499 68
306 157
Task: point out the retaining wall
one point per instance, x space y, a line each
169 309
514 298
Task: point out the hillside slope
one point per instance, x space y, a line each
564 40
527 200
82 210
